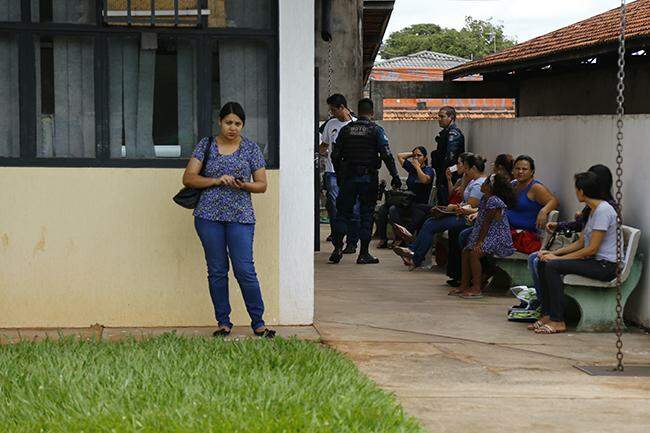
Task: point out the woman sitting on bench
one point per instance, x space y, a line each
605 183
533 204
593 255
420 181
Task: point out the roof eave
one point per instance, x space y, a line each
579 53
385 6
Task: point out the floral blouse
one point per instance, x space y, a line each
223 203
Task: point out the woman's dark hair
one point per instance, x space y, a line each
423 151
605 181
463 156
475 161
530 160
233 108
501 186
337 100
504 160
587 182
450 111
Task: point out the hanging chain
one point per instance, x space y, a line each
330 71
620 99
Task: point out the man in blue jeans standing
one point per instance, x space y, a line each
341 116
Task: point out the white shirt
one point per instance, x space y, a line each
330 133
603 218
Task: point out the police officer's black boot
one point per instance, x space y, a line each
337 254
350 249
364 255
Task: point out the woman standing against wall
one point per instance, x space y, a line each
224 218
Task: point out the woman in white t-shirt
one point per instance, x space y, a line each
593 255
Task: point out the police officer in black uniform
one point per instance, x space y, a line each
357 154
451 143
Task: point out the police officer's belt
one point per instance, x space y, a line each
360 171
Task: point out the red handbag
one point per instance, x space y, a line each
525 241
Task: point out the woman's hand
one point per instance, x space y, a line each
448 174
546 257
550 227
452 207
227 180
478 248
471 217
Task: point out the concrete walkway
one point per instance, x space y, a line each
460 367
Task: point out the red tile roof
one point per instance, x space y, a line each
599 31
427 115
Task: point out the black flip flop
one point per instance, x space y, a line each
265 333
221 332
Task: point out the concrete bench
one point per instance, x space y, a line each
596 300
514 268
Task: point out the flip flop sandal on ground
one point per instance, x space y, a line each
455 292
472 296
547 329
221 332
265 333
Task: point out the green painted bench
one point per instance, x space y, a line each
596 300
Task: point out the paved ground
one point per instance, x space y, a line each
460 367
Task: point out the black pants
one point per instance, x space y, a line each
411 217
364 189
455 250
442 192
551 273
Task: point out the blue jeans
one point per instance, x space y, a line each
332 192
235 241
463 238
429 229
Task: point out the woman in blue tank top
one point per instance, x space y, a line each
534 200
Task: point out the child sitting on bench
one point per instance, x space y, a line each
490 235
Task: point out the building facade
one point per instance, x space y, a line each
100 107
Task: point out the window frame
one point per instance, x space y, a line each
25 31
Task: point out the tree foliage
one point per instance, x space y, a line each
475 40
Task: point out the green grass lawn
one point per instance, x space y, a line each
176 384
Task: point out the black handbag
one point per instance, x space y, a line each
403 199
189 197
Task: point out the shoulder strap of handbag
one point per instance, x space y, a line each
206 154
551 240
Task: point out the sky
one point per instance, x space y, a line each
522 19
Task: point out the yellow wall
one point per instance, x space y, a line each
107 245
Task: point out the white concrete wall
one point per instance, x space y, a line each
296 165
564 145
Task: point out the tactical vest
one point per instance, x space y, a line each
359 149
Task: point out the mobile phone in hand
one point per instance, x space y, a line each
453 168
